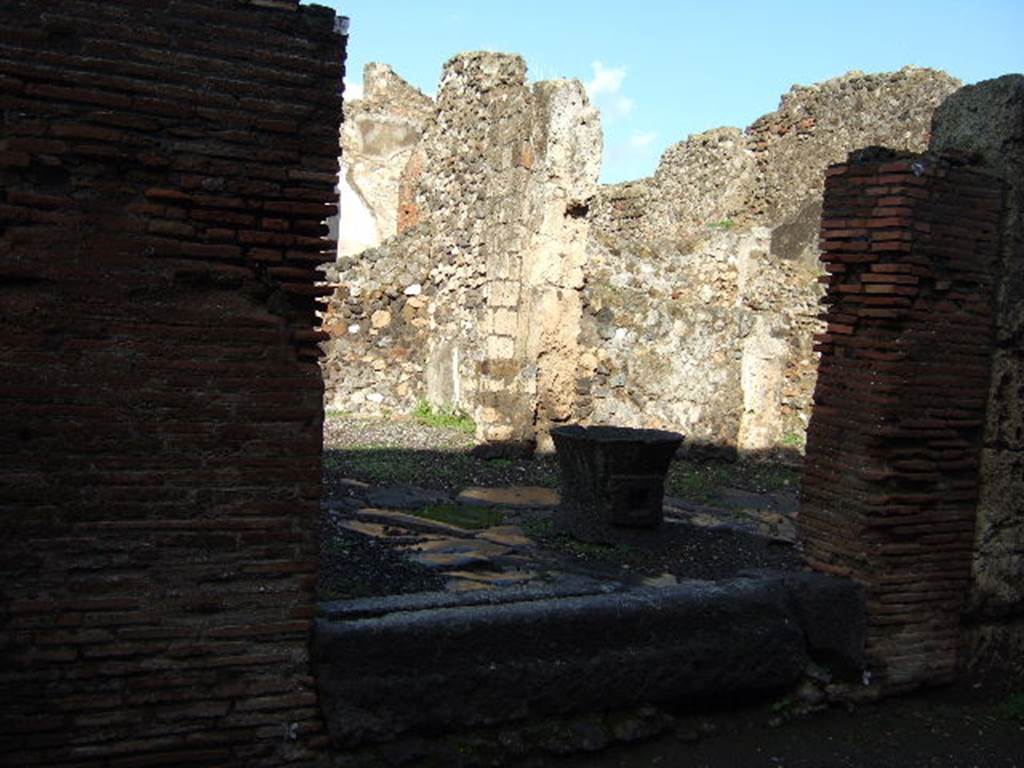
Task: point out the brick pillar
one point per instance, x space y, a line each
890 482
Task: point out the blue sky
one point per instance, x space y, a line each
660 70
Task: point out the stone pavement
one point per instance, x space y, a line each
512 553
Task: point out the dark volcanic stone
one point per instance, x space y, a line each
405 497
392 667
611 476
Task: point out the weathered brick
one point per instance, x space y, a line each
898 395
158 473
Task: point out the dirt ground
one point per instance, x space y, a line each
955 727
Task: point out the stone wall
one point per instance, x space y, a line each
378 319
684 301
988 119
695 340
477 284
164 173
714 336
770 174
380 133
891 482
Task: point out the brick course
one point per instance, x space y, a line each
165 170
890 481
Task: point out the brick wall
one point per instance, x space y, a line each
164 171
890 485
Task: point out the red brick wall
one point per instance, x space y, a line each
890 483
164 171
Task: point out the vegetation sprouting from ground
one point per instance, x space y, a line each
443 416
464 516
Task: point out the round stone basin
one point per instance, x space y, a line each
612 477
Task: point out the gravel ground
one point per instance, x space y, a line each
404 450
352 565
361 454
685 551
406 433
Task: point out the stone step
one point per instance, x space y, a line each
513 653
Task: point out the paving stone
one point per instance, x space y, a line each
459 545
455 553
406 497
349 483
665 580
506 535
702 519
678 505
741 635
405 520
494 578
521 496
378 531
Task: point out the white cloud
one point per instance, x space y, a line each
605 80
642 139
605 91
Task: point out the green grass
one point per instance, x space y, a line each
795 440
444 416
544 530
702 480
464 516
722 224
697 481
539 528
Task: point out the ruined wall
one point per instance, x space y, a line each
685 301
988 119
488 256
818 125
380 132
670 335
719 249
563 154
378 321
164 173
891 482
770 174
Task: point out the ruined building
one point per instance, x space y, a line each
380 132
521 290
162 204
